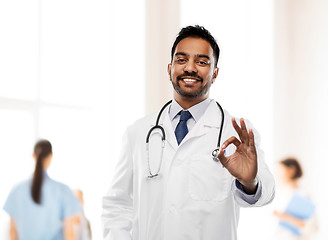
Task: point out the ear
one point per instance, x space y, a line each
215 74
169 67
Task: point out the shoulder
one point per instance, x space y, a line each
148 119
228 122
138 130
16 197
21 186
143 123
61 191
59 186
303 192
68 200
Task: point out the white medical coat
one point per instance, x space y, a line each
194 198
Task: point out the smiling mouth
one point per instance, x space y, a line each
189 80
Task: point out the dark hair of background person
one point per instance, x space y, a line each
42 149
197 32
293 163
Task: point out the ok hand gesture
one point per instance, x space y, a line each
242 164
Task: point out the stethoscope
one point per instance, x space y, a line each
215 152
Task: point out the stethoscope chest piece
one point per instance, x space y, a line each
215 154
152 175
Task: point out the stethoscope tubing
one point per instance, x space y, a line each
157 126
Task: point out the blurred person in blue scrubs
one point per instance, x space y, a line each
295 210
41 208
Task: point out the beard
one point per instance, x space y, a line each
201 91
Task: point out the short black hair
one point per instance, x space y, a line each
197 32
293 163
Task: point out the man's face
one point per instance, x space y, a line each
192 70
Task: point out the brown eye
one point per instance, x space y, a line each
203 63
180 60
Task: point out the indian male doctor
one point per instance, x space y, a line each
174 190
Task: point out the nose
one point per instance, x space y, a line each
190 67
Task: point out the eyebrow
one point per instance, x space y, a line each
203 56
181 53
198 55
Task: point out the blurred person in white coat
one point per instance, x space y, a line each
170 188
295 210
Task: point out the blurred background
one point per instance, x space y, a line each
72 71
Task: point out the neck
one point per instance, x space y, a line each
187 103
293 184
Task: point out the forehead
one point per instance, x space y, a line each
194 46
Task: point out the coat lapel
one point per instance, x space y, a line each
211 118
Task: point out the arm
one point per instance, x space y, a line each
89 228
299 223
69 233
118 203
12 230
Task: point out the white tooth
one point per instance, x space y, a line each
189 80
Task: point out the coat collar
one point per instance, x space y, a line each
211 118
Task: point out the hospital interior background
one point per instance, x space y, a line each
74 72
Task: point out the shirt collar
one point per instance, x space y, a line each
196 111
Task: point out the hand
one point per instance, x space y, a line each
278 214
242 164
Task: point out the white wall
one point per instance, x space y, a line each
162 26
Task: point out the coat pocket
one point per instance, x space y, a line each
208 180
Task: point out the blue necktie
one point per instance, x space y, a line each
181 130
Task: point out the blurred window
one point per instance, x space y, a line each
68 72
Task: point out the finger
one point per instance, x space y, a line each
231 140
236 127
244 132
221 156
251 138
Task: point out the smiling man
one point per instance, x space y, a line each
192 71
173 190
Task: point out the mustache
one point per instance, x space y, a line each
192 74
